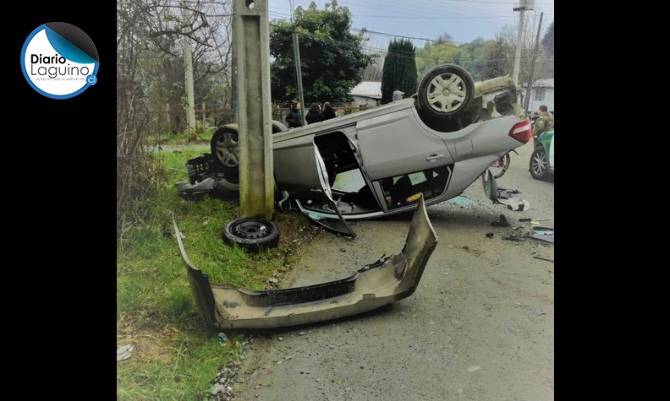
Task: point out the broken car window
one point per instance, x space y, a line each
405 189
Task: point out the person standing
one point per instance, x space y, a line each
293 116
328 111
314 114
543 122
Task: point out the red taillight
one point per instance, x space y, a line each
521 131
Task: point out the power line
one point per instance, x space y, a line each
391 34
428 56
433 17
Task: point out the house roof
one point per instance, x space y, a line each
371 89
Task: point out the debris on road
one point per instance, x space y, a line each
517 204
462 202
541 258
514 237
545 234
489 235
509 197
222 389
222 337
124 352
532 221
502 222
473 368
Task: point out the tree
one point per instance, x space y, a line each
373 72
546 58
444 38
483 59
150 76
332 60
432 55
497 59
548 40
399 69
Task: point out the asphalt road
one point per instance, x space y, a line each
479 327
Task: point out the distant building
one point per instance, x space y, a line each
542 92
367 93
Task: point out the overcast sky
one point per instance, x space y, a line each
464 20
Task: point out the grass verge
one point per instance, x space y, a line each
180 138
176 356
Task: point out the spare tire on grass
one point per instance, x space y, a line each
252 234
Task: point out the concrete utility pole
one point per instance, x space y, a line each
532 65
298 69
524 5
233 85
188 75
188 82
252 58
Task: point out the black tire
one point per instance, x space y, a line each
539 164
432 98
506 163
231 171
252 234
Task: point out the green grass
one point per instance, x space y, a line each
176 356
180 138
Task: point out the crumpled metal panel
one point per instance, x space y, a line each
375 285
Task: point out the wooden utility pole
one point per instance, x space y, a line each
251 41
532 65
298 69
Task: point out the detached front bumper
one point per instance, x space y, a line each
382 282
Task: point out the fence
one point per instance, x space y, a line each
213 116
279 113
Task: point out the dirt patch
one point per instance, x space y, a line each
151 344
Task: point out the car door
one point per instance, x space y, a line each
394 144
551 152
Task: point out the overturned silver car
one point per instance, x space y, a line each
381 161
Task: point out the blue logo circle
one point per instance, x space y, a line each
59 60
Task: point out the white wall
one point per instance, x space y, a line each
548 99
360 101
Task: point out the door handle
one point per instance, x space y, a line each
434 156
